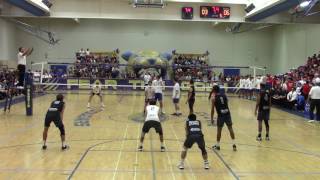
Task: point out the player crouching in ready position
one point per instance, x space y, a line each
96 90
152 121
55 115
194 135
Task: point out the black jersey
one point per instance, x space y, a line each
56 106
264 104
193 92
194 127
221 104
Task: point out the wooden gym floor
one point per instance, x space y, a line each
106 149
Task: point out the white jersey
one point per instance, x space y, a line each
149 92
96 89
241 83
157 84
146 78
176 91
152 113
22 59
258 83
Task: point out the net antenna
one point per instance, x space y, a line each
45 35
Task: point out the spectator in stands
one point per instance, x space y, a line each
292 98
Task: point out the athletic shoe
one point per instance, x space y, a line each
234 147
88 106
259 138
181 166
65 147
174 114
217 147
44 147
163 149
206 165
163 113
267 138
140 148
102 105
311 121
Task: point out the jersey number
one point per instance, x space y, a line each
221 100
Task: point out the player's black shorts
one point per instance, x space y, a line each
147 100
92 93
191 139
152 124
263 115
224 120
53 117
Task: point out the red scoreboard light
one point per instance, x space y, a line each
187 13
217 12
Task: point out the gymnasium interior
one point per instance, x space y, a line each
73 44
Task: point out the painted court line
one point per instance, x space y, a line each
187 161
120 153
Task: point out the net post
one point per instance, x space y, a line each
29 93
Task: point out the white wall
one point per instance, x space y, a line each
251 48
293 44
7 41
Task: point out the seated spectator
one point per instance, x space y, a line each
292 98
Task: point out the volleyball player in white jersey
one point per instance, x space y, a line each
152 121
241 85
158 85
149 95
96 90
176 97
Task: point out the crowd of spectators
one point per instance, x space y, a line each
7 79
290 90
94 65
187 67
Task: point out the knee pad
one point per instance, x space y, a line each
62 131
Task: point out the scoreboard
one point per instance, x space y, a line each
216 12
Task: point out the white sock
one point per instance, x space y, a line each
63 143
218 143
140 144
233 141
162 145
182 161
44 143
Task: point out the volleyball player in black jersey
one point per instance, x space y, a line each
220 103
55 115
194 135
191 97
263 110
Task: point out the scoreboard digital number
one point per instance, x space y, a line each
187 13
217 12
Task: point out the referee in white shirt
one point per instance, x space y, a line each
22 62
314 100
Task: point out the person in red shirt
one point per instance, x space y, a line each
306 89
290 85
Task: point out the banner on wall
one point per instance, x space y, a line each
118 84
